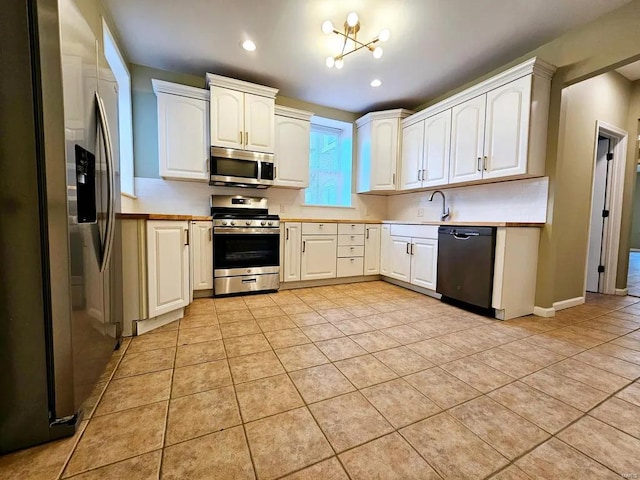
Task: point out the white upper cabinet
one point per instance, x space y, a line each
242 114
425 152
227 118
259 123
437 138
507 129
183 131
378 150
412 156
496 129
467 140
292 134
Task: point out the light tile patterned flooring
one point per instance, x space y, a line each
362 381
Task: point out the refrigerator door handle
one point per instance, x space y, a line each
108 150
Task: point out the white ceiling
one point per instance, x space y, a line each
435 45
631 71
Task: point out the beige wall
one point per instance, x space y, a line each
634 238
604 98
630 207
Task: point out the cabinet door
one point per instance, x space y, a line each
202 255
384 153
412 156
424 262
168 266
372 249
292 251
183 137
385 250
319 257
259 121
400 258
437 142
467 140
292 152
227 118
507 129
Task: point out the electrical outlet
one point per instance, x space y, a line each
420 212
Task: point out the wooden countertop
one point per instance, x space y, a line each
468 224
327 220
406 222
161 216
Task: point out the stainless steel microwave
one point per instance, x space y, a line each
240 168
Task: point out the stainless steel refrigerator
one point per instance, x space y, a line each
60 241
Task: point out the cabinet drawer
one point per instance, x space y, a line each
353 251
350 240
351 228
350 267
319 228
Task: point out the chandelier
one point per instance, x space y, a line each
351 29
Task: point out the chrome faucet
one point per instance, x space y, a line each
445 213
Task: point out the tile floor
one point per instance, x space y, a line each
362 381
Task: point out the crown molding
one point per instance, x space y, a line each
293 113
240 85
160 86
533 66
384 114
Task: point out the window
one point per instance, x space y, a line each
329 164
125 129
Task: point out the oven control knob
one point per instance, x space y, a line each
224 222
248 222
233 223
270 223
263 223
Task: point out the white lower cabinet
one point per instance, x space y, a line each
424 262
385 250
350 267
202 255
372 249
168 266
291 251
413 260
319 257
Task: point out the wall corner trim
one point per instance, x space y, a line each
623 292
544 312
568 303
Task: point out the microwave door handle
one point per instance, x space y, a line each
259 170
108 150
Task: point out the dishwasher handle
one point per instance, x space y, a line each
463 235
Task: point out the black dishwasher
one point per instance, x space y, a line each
465 264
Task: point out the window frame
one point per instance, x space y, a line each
125 110
344 132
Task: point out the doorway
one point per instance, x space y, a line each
606 208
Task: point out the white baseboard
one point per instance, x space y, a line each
623 292
544 312
568 303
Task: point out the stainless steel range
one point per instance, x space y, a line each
246 245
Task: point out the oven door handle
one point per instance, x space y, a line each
243 230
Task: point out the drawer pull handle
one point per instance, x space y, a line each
249 280
353 259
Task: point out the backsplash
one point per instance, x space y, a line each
514 201
166 196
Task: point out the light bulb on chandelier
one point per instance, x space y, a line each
349 42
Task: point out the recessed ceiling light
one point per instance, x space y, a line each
376 82
248 45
